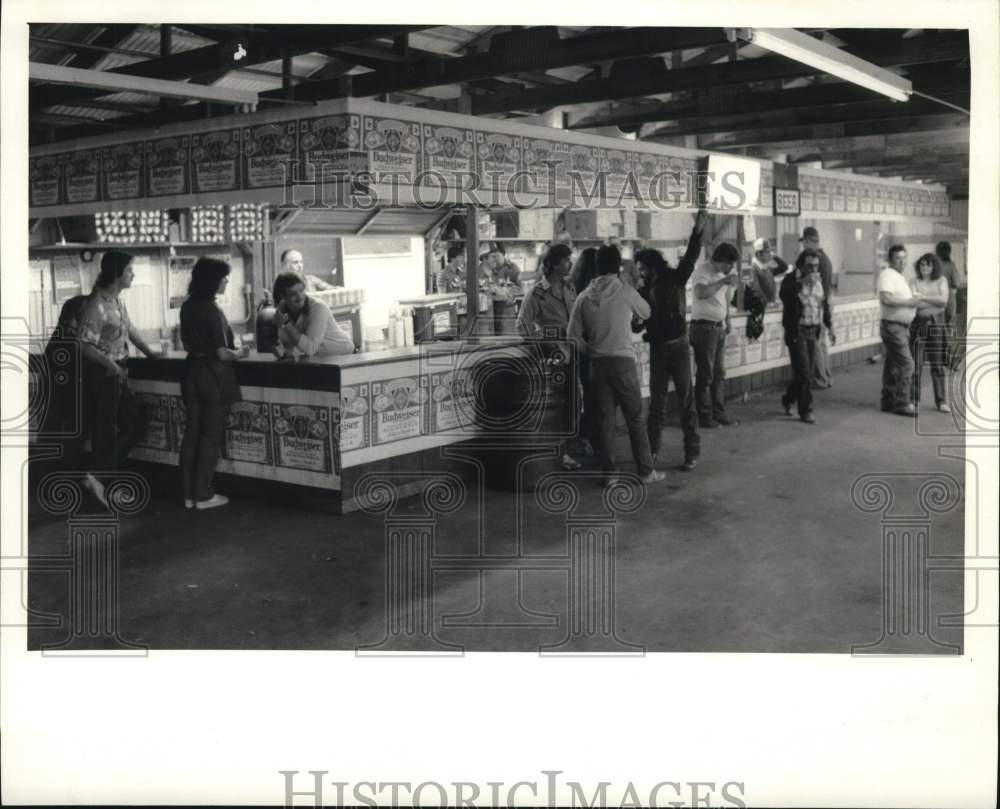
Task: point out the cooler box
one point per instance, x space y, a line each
435 317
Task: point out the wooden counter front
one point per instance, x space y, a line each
320 425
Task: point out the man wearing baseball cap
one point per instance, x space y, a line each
810 241
766 266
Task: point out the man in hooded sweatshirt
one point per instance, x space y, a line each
601 325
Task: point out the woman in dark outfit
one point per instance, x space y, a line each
209 384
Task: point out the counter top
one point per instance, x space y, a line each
366 358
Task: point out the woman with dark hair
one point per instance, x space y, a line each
209 383
669 350
545 314
105 330
928 331
954 312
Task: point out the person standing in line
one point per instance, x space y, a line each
712 282
113 415
209 383
805 309
585 271
544 315
600 324
667 335
822 378
63 422
898 305
928 331
955 288
766 267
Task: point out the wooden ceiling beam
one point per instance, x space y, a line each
920 50
834 114
512 53
846 160
801 134
259 46
707 102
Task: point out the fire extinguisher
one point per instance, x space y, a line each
264 329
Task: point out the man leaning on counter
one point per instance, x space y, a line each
306 327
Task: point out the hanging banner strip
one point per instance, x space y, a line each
349 153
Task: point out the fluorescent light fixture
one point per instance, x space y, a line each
120 82
810 51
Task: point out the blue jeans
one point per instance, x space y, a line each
615 382
203 433
672 360
802 350
929 341
708 340
897 374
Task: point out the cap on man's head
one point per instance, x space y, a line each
809 233
760 245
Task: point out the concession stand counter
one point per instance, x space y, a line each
322 431
362 168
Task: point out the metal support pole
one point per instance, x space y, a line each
471 270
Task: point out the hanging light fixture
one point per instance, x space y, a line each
810 51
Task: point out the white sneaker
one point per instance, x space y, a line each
653 477
188 503
96 488
944 408
569 463
215 501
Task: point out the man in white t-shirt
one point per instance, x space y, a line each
713 282
898 308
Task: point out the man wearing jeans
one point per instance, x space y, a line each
709 326
898 308
600 325
804 310
822 378
669 350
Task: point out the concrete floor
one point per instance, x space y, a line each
761 549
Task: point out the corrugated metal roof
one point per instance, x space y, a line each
446 38
146 39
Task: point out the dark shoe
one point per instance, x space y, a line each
907 410
688 465
725 421
886 408
787 406
807 418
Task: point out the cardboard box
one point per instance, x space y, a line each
594 224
